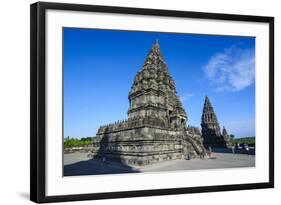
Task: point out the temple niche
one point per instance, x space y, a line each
210 128
156 128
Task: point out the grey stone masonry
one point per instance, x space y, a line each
156 128
211 133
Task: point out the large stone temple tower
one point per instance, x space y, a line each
153 93
211 132
156 128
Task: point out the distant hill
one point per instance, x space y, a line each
251 141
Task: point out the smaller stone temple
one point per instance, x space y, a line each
211 132
156 128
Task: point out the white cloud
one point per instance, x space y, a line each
185 97
231 70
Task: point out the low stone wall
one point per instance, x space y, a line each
146 145
134 123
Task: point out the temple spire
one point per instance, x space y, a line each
208 106
211 132
224 131
209 123
155 50
155 58
209 115
152 79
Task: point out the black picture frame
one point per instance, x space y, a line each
38 101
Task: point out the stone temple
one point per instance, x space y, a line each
156 128
211 132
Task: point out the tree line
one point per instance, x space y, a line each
85 141
74 142
246 140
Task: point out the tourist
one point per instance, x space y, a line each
210 151
103 159
233 149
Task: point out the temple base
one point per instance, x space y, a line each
147 145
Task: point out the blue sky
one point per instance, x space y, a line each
100 65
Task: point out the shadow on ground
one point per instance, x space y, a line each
94 167
105 162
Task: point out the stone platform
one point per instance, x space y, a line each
145 144
76 164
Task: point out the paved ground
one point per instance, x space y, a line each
79 164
